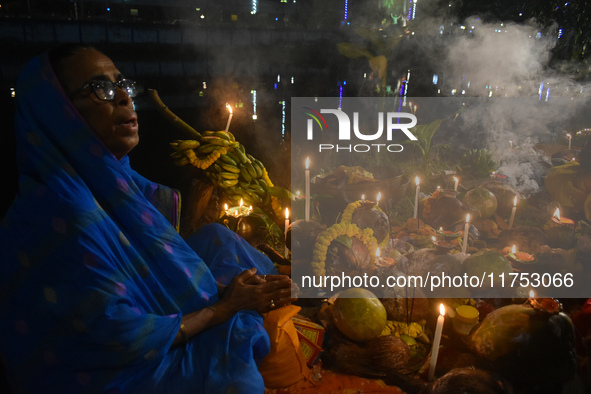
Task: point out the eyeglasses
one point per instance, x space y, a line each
105 90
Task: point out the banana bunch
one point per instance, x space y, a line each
228 166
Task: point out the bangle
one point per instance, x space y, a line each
184 335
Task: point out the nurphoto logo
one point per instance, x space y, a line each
394 122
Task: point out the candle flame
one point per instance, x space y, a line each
417 180
433 238
513 250
379 197
298 193
532 294
378 252
307 162
557 213
467 218
287 213
569 136
574 159
515 201
440 228
241 203
438 187
225 207
441 309
229 107
250 208
456 179
363 197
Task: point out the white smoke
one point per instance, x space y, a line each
526 102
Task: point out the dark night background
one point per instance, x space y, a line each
200 54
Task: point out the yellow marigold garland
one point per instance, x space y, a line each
330 234
347 217
348 212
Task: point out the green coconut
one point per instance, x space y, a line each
481 202
359 314
489 262
531 347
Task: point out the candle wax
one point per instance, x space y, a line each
435 349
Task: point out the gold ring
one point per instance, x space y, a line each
272 304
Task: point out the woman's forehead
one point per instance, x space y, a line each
87 65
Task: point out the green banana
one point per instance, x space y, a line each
223 135
230 168
257 199
215 140
187 144
229 175
228 182
258 168
245 174
233 156
183 161
228 160
259 190
208 148
251 171
240 155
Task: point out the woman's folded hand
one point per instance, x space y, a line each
258 292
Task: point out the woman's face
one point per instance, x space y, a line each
115 122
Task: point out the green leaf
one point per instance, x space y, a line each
279 192
343 239
353 51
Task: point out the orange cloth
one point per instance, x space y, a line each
285 365
334 383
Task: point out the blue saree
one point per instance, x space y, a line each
94 279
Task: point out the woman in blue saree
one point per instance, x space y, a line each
98 292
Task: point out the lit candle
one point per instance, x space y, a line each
416 213
562 220
513 249
456 180
226 208
438 187
570 140
363 198
230 117
286 226
466 231
436 342
240 207
378 198
307 188
513 213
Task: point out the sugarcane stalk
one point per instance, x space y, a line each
172 117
